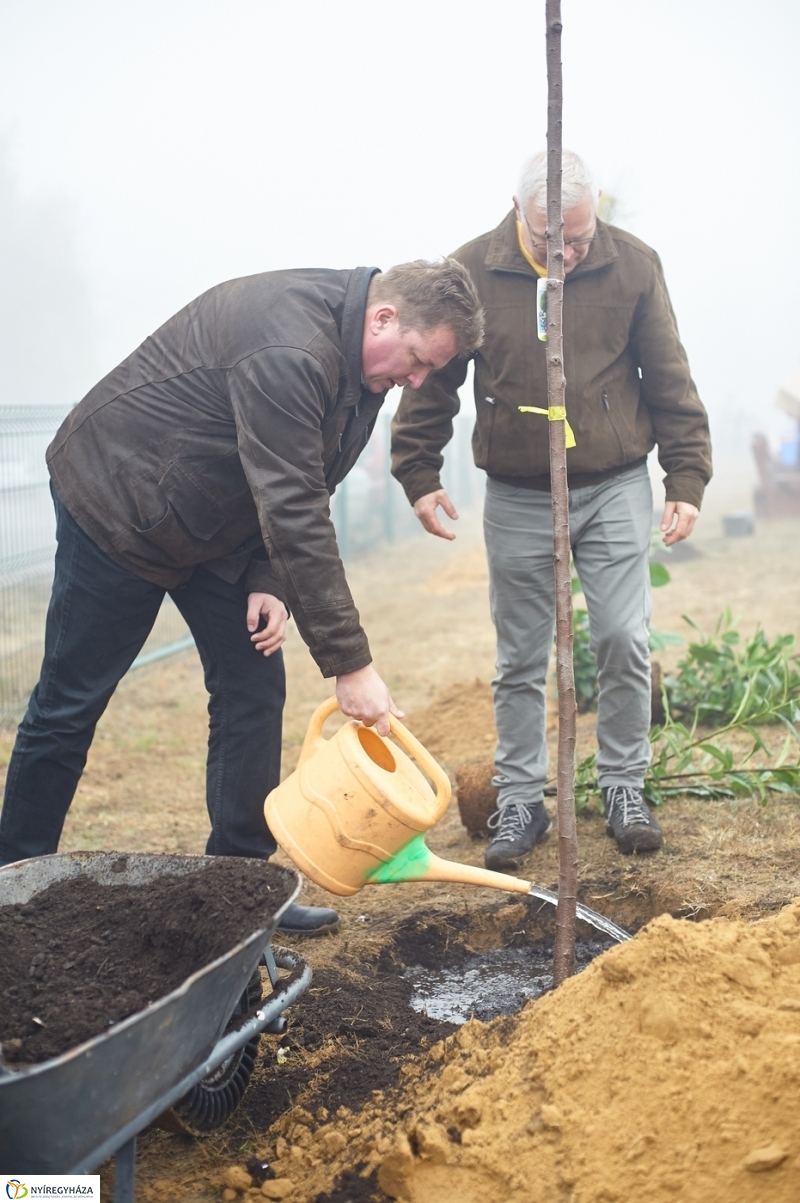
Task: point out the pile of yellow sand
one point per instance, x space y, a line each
668 1070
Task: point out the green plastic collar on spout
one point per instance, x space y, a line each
410 863
415 862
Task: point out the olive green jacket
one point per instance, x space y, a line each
628 381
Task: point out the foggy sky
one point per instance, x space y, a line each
158 147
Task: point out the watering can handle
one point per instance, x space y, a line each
317 721
441 782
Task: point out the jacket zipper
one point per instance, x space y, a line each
607 408
488 430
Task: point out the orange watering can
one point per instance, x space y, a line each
355 812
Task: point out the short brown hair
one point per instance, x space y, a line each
427 295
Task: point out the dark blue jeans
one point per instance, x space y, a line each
100 615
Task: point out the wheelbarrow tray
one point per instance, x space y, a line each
67 1114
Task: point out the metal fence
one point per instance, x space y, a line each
27 547
367 509
370 507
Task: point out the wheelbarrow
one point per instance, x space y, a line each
190 1050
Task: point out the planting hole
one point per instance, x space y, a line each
485 985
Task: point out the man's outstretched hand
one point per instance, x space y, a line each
425 508
363 695
274 613
678 521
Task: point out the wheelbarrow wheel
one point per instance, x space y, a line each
209 1104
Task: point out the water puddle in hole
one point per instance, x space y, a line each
488 984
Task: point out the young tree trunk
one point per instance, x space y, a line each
564 959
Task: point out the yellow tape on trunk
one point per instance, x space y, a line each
555 413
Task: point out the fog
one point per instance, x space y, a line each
152 149
47 329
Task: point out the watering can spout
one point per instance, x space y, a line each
416 862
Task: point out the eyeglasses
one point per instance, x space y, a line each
542 246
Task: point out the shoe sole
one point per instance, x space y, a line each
649 842
324 929
514 862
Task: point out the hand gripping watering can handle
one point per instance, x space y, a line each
441 782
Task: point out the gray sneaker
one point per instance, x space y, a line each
629 821
519 826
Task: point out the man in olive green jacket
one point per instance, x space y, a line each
628 389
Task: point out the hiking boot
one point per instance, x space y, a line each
299 920
629 820
519 826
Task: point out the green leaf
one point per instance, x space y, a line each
658 640
658 574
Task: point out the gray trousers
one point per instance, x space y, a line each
610 528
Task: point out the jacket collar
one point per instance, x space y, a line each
355 305
504 254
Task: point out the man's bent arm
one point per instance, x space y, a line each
423 426
279 398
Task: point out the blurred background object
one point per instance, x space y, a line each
777 494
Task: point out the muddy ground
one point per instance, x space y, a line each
424 605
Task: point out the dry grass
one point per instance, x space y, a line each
425 607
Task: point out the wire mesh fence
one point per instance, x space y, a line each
368 508
27 548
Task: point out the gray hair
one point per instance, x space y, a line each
427 295
576 182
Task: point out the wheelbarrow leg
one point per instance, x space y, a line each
272 968
278 1025
125 1172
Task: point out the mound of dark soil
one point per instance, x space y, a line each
347 1038
81 956
354 1029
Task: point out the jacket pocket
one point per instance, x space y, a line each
201 516
612 424
485 415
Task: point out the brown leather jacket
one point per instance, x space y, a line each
628 380
219 442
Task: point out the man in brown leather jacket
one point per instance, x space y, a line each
628 389
203 466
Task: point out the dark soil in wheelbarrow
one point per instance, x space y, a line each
81 956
